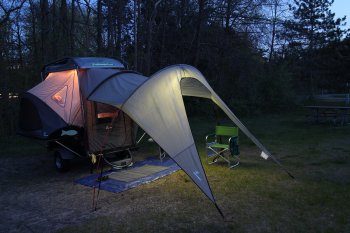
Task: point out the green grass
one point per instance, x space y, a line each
256 196
318 155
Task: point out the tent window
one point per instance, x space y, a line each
105 112
60 96
100 131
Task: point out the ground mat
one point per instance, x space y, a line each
140 173
136 173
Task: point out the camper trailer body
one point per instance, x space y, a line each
58 110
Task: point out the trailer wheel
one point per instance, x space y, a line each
61 164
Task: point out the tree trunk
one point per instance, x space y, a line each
99 27
44 12
162 59
19 45
54 39
64 30
109 28
201 4
87 39
120 24
136 2
33 26
71 31
273 35
149 37
228 15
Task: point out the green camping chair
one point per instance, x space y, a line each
223 144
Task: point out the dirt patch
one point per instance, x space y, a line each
36 198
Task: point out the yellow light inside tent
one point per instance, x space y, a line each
65 73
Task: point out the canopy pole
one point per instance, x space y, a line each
108 130
219 210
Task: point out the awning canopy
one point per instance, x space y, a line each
156 105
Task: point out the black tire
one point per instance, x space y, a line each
61 165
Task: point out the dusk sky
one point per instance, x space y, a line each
341 8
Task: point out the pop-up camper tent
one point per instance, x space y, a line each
79 92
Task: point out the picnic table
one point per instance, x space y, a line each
338 115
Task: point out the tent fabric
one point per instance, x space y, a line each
73 63
60 91
97 62
193 87
37 119
121 135
197 89
89 79
162 114
155 104
115 91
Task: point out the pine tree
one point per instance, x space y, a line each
313 28
314 25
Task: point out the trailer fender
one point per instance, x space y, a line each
66 154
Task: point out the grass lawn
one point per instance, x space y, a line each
255 197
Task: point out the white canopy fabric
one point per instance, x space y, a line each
201 88
156 105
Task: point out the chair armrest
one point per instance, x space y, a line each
209 136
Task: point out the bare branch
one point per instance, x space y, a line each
8 12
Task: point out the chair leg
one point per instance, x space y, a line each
212 155
225 158
220 154
214 160
235 164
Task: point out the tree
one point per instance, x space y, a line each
71 31
277 10
44 12
135 30
7 8
314 25
151 21
312 28
33 45
230 41
63 25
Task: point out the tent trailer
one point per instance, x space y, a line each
89 106
56 110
